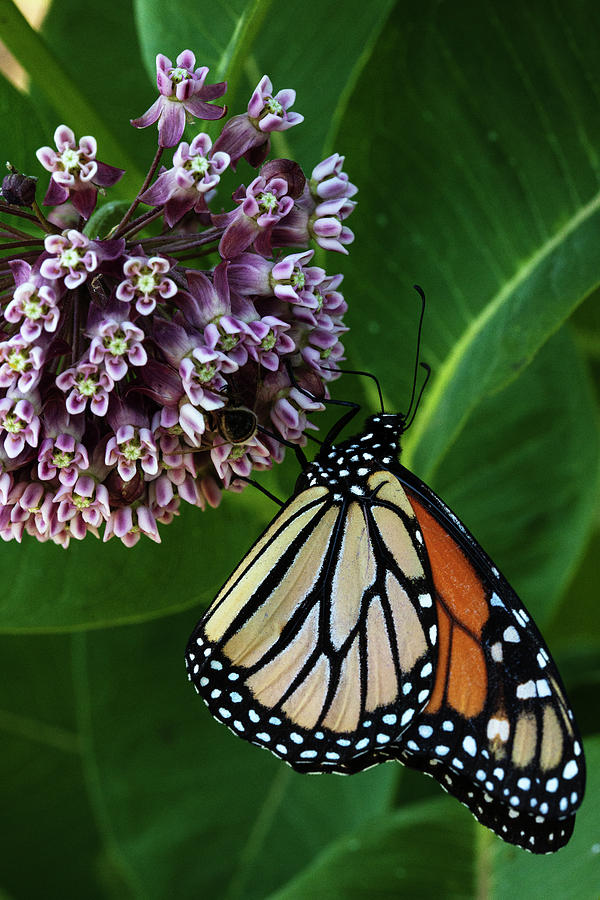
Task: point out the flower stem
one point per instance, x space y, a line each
41 218
141 222
118 229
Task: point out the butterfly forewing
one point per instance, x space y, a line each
497 731
319 646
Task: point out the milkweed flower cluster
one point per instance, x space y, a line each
128 359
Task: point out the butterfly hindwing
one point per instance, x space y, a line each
497 732
319 646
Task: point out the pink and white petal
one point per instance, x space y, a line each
200 109
151 115
56 193
116 367
47 157
107 175
84 201
171 124
64 138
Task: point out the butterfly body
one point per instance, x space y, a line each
367 624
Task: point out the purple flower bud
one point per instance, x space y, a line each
18 189
201 376
83 504
231 336
325 226
329 182
75 171
36 302
86 382
146 283
129 523
195 172
164 510
32 506
262 206
289 279
289 415
73 256
182 90
192 423
271 341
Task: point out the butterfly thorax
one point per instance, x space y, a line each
346 467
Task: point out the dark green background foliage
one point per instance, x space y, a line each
473 132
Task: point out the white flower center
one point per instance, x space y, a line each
117 345
17 360
268 342
12 423
32 308
62 458
297 280
131 450
87 386
199 165
273 106
146 283
268 201
70 258
205 372
177 74
70 160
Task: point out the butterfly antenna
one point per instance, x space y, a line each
423 386
364 375
410 410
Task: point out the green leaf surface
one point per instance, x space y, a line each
17 108
49 838
189 809
479 179
105 217
219 40
94 584
385 858
81 95
524 474
243 40
435 849
571 874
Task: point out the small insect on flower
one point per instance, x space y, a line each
366 624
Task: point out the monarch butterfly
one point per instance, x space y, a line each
367 624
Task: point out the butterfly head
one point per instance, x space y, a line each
347 466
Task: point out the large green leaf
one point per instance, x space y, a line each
85 93
435 849
475 145
385 858
540 431
243 40
189 809
94 584
49 826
